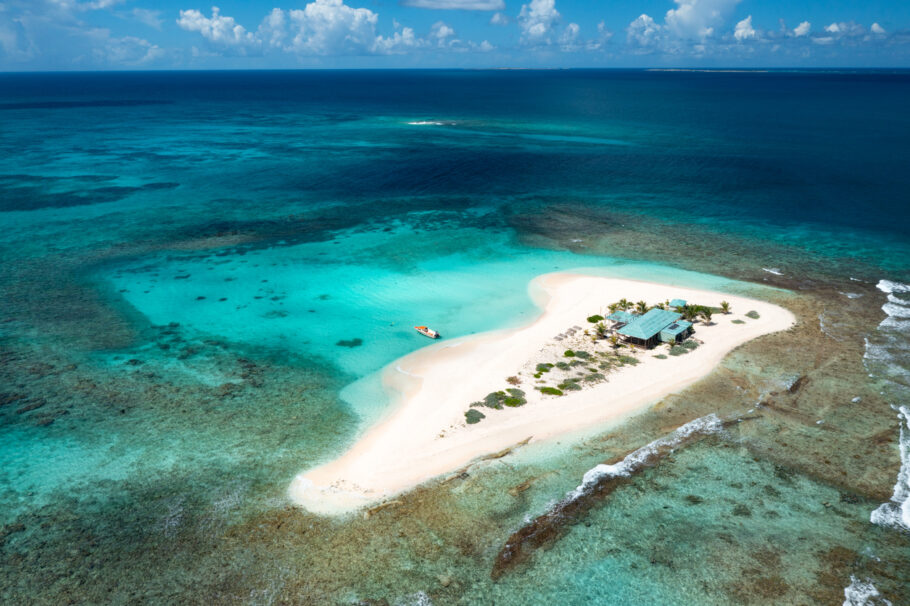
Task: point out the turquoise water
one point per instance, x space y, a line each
203 274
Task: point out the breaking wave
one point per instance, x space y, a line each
887 353
704 425
862 593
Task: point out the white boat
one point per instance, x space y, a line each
427 332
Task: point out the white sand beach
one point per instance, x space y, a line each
425 434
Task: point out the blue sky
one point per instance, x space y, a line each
249 34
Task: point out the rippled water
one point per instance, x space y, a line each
203 273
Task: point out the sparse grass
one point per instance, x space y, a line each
753 314
582 354
678 350
661 356
513 380
474 416
689 344
594 376
551 391
628 360
563 366
738 321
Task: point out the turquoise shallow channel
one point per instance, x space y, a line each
204 274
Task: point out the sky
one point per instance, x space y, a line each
280 34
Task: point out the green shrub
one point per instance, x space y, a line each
474 416
678 350
575 363
595 319
582 354
569 353
570 385
542 368
661 357
551 391
494 400
628 360
516 393
738 321
514 402
690 344
537 375
594 376
562 366
753 314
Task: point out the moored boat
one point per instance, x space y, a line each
427 332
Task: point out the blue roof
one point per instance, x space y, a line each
646 326
678 303
670 332
621 316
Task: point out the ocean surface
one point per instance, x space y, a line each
204 273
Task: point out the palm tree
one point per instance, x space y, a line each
601 329
660 306
689 312
624 304
706 315
613 307
641 306
614 340
725 307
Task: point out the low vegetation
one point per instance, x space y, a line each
753 314
738 321
550 391
474 416
595 319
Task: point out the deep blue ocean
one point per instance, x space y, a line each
203 273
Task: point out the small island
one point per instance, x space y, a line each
590 360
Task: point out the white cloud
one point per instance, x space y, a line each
834 28
643 32
466 5
273 29
129 51
148 17
218 29
499 19
95 5
331 27
536 21
696 19
877 29
823 40
441 32
568 40
603 38
744 30
485 46
802 29
398 43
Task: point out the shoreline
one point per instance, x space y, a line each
424 434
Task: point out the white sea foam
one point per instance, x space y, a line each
705 425
428 123
851 295
862 593
896 512
887 353
773 270
889 287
